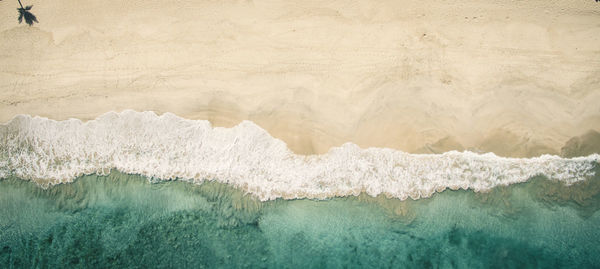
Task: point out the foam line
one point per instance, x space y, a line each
168 147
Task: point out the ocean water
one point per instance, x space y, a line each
122 220
139 190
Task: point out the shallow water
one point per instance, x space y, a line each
126 221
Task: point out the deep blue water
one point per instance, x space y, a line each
123 220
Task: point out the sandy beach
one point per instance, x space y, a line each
518 78
358 134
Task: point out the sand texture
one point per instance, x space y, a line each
517 78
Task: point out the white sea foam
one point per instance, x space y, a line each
168 147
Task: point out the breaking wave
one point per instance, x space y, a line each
168 147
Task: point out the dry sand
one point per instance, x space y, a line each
517 78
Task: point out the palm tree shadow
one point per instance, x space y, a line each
25 13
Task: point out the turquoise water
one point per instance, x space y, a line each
123 220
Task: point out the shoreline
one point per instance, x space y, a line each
578 146
246 156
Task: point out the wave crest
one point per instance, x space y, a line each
168 147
